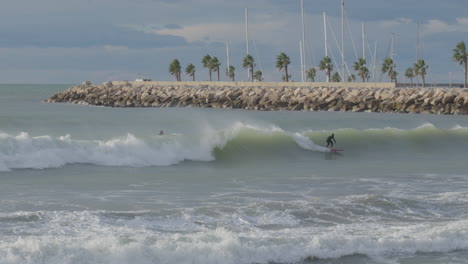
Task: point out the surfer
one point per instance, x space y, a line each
330 140
161 133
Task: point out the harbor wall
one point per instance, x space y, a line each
354 97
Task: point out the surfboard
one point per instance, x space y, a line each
336 150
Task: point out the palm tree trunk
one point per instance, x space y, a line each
193 77
411 81
218 74
465 72
210 74
286 71
423 81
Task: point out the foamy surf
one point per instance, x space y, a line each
40 152
94 237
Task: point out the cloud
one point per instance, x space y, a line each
123 36
82 35
261 32
205 32
397 22
435 26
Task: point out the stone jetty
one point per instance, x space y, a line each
353 97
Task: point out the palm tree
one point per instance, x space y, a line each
190 71
352 78
394 76
311 73
249 63
326 65
214 65
461 56
230 72
282 62
258 76
388 67
206 61
410 74
175 69
336 77
360 67
420 70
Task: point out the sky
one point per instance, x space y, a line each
71 41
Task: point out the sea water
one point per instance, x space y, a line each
85 184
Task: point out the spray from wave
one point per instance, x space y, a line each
96 238
25 151
40 152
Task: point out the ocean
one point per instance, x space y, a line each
85 184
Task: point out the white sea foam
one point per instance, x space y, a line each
86 237
25 151
40 152
305 143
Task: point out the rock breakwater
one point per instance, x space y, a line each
263 97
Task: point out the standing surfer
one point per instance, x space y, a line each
330 140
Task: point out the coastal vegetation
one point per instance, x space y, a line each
175 69
418 69
282 62
206 62
410 75
327 66
190 71
360 67
231 72
389 67
336 77
258 76
311 73
214 65
461 56
249 63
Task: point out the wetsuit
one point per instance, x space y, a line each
330 140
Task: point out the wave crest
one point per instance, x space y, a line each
239 140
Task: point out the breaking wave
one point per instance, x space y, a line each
139 237
40 152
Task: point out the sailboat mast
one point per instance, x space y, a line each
326 40
228 63
247 36
417 51
325 32
303 42
375 60
363 41
247 30
343 63
301 49
417 41
393 46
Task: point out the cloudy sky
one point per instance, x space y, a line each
69 41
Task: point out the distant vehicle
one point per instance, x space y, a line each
143 80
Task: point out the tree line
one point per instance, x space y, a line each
212 64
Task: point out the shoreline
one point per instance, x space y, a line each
351 97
